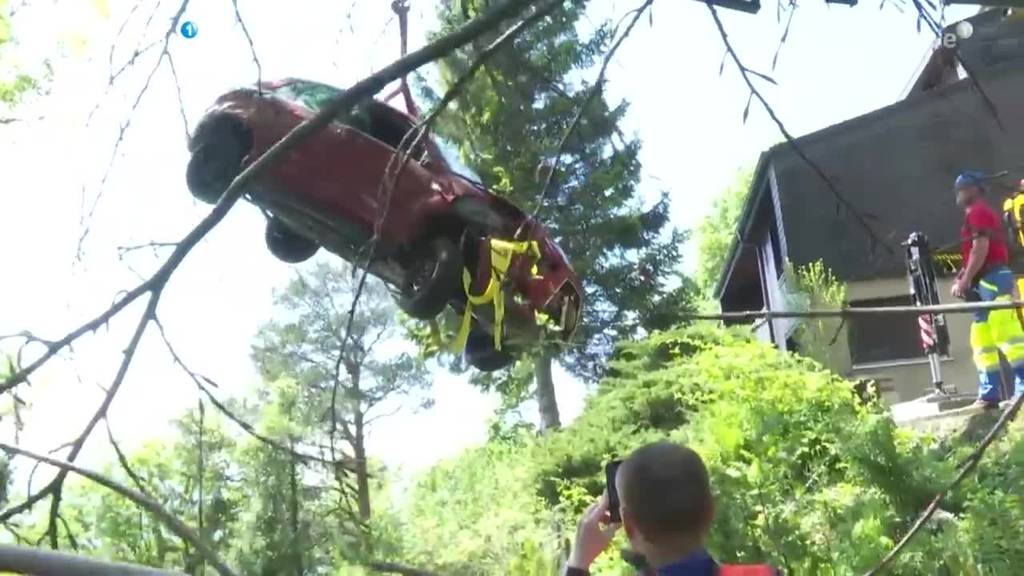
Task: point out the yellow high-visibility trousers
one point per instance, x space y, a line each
995 331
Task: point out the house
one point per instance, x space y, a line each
895 167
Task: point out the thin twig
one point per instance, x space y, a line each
591 94
965 470
252 48
181 100
86 220
145 502
123 460
746 73
331 111
120 32
123 251
203 385
129 63
68 532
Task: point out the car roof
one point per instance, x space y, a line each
476 183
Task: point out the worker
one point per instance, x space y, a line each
1013 214
986 277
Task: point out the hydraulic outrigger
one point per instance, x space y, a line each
924 292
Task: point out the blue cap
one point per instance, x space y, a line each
969 178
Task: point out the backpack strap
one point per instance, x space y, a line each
746 570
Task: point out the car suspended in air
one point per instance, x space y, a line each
444 239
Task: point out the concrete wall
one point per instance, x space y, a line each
909 380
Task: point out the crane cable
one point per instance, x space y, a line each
401 10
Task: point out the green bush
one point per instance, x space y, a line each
480 514
806 475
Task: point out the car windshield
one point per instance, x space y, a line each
312 95
451 157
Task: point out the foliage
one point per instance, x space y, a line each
717 230
480 515
104 525
806 475
816 287
12 82
347 379
508 122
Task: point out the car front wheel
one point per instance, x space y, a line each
287 245
216 161
433 278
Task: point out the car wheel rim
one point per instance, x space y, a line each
421 275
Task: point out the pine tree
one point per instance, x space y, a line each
507 125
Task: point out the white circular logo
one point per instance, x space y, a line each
964 30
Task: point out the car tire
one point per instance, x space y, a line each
287 245
481 354
216 161
433 278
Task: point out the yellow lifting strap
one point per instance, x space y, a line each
502 252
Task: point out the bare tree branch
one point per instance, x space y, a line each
87 218
755 93
140 484
101 412
392 568
145 502
68 532
181 101
331 111
203 383
123 251
252 48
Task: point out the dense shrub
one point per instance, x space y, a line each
806 475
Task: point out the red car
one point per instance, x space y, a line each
326 192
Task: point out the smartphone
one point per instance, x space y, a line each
613 494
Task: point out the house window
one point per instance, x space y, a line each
884 338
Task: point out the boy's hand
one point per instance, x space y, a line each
594 533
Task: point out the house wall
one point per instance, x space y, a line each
909 380
896 166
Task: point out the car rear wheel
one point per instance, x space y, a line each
216 161
287 245
433 278
481 354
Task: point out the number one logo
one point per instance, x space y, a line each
189 30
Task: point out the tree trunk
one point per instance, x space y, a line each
359 445
362 472
544 389
294 506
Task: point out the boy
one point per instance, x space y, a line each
666 508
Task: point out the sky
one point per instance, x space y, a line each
838 62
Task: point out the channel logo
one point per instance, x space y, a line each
188 29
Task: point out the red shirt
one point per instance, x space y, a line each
981 220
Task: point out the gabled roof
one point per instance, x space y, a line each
746 218
895 165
